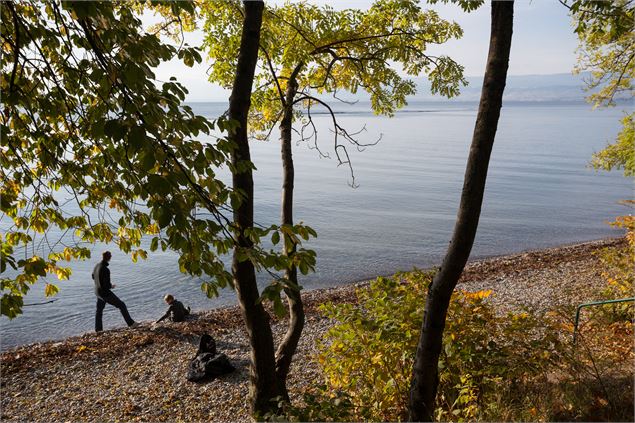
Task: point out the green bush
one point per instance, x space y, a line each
369 352
619 273
320 404
520 366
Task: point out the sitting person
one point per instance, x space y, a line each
177 311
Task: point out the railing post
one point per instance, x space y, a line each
577 312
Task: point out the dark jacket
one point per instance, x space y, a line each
101 276
177 311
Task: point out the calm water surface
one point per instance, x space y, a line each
540 192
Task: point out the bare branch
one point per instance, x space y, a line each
314 134
45 302
349 102
340 150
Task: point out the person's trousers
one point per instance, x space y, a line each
111 299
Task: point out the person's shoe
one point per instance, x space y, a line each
134 325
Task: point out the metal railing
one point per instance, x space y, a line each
577 313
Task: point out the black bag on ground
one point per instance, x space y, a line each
208 364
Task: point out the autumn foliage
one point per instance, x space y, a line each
494 366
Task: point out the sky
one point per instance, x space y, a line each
543 43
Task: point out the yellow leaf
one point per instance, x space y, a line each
484 294
50 290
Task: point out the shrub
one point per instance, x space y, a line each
516 367
619 272
320 404
369 353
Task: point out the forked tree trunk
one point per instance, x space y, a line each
263 387
289 344
425 377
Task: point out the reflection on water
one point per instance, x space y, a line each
540 193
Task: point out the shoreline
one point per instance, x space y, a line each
475 268
139 374
607 241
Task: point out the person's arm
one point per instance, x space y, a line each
166 315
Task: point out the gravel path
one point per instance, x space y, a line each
139 374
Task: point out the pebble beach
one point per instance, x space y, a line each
139 374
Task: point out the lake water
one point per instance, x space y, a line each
540 193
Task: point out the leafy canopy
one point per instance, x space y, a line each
621 153
96 149
326 51
607 46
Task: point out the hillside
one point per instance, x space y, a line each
561 87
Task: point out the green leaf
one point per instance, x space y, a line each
158 184
114 129
304 269
210 289
154 244
148 160
278 307
136 139
164 216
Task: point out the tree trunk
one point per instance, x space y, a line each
263 387
289 344
425 377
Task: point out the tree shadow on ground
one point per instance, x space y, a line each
580 399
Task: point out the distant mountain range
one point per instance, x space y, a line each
528 88
555 87
559 87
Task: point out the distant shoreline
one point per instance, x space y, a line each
491 261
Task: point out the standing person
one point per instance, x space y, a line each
101 276
177 311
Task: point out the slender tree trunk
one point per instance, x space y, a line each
425 377
263 387
287 347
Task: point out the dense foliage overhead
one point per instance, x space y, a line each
327 51
96 149
84 121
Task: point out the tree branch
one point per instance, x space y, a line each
273 74
17 45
